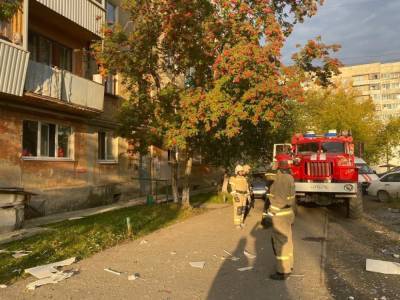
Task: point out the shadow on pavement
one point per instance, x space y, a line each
252 284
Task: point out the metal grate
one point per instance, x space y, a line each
319 169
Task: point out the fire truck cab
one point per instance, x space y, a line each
324 169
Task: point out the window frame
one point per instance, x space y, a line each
115 147
71 143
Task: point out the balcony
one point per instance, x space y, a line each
13 66
89 14
55 83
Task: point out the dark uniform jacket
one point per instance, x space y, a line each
282 191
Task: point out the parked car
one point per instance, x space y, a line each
393 169
386 187
258 186
365 174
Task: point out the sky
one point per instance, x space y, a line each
367 30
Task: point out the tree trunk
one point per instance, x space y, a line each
186 182
174 180
225 183
224 189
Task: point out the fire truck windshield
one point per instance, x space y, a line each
332 147
328 147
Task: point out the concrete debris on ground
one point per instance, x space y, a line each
3 286
49 274
143 242
112 271
198 264
394 210
245 269
248 254
53 279
384 267
350 298
173 253
21 253
134 277
396 255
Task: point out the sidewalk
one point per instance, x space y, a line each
165 273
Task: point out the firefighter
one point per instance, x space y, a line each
282 195
250 200
240 192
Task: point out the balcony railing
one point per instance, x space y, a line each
13 65
89 14
63 85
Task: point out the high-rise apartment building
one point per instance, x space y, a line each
378 81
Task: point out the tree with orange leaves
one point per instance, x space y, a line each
203 73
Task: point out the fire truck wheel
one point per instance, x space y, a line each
355 207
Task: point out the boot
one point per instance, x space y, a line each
280 276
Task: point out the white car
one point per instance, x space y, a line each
365 174
386 187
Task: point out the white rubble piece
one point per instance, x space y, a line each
54 278
198 264
134 277
245 269
46 271
143 242
3 286
21 253
231 257
173 253
384 267
112 271
396 255
248 254
4 251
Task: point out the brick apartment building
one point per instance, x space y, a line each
57 128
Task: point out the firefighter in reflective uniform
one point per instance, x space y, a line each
250 201
240 192
282 195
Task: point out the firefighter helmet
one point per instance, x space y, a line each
239 168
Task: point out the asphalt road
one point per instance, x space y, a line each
163 264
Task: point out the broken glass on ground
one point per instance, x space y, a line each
230 256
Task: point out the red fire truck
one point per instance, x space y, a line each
323 167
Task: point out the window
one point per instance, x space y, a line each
394 177
111 13
374 87
333 147
40 139
376 97
49 52
374 76
364 169
107 146
307 147
110 84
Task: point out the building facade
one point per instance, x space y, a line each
378 81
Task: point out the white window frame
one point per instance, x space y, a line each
115 144
71 143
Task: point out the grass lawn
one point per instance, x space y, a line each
84 237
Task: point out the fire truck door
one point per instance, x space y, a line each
281 149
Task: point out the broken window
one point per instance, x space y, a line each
106 146
40 139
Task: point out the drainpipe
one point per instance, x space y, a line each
25 11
